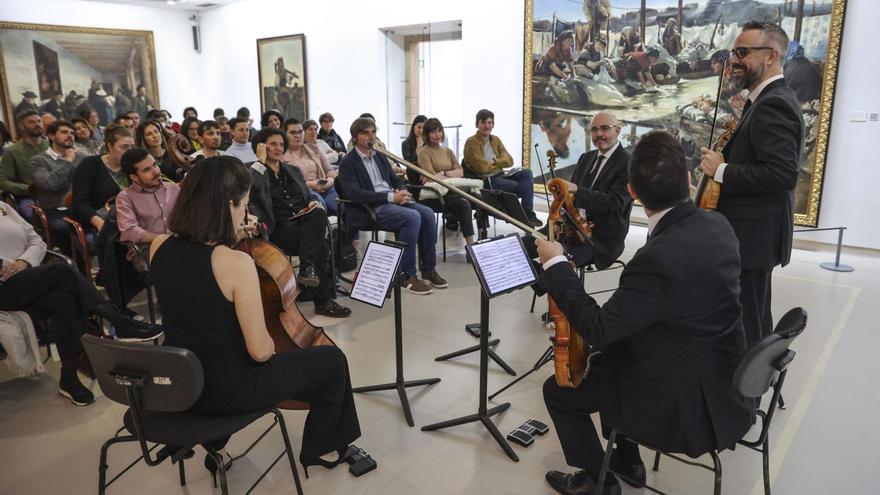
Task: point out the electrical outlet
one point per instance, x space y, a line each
874 117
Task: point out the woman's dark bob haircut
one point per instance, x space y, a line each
202 210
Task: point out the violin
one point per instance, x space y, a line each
709 190
289 329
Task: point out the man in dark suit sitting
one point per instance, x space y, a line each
599 187
366 177
671 335
758 168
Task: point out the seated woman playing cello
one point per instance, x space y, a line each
210 299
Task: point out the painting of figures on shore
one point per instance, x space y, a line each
661 65
282 64
73 71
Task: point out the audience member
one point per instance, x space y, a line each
209 139
190 112
15 176
366 177
329 136
241 148
225 132
125 121
99 178
296 223
52 174
414 141
311 138
245 114
84 141
440 160
149 136
142 208
190 130
271 118
376 141
315 168
485 154
56 291
135 118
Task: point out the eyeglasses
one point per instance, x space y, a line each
742 52
603 128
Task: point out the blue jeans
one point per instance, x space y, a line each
416 226
520 184
24 209
328 199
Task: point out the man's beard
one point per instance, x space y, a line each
749 76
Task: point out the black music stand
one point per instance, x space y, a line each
510 255
399 383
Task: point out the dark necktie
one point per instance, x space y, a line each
747 105
594 171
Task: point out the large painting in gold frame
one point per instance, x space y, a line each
556 111
104 67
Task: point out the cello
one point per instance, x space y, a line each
571 354
289 329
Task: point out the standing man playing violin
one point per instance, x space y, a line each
758 168
671 335
296 223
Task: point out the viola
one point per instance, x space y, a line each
709 190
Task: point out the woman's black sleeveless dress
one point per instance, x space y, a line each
197 316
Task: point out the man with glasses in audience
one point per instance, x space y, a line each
758 168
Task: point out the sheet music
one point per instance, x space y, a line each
504 264
377 272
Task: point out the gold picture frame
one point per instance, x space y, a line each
554 112
88 60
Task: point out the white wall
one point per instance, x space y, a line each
177 64
850 195
347 76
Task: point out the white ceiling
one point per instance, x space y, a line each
179 4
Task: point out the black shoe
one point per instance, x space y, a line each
71 388
308 462
533 219
332 309
308 276
137 331
632 473
580 483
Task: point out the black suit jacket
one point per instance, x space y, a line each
261 194
757 193
672 334
353 183
608 204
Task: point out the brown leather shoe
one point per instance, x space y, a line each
435 279
416 286
580 483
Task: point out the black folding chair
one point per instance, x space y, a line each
762 367
159 385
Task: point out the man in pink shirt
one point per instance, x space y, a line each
143 208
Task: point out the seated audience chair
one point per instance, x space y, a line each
159 385
763 367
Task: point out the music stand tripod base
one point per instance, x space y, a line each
399 383
484 414
495 357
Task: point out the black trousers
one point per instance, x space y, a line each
570 410
60 293
306 237
755 299
318 375
459 211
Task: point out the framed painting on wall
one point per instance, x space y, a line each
67 70
599 46
282 65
